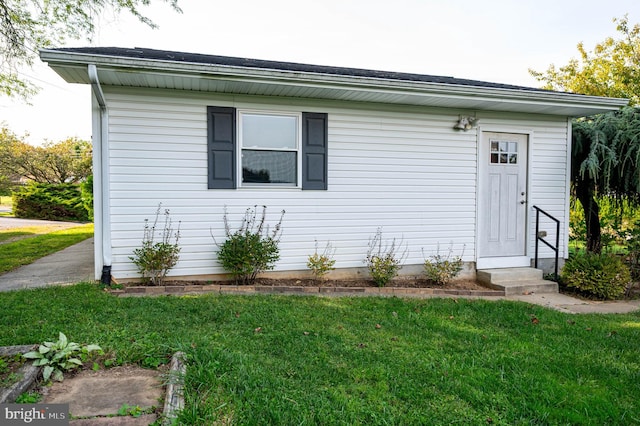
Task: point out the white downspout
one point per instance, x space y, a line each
101 181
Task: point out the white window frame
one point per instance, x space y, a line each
297 150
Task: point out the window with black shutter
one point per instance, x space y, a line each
268 148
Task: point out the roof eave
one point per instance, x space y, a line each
580 105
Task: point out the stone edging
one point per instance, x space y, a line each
300 290
28 372
174 399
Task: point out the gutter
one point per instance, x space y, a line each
332 81
101 181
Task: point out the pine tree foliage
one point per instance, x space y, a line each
605 163
607 147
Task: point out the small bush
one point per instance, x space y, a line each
441 269
50 202
603 276
632 237
321 264
252 248
384 263
86 193
155 259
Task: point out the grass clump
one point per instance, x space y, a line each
9 366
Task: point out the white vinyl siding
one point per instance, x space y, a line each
403 169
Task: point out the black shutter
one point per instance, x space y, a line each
221 147
315 148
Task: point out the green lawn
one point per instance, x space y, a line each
21 246
6 202
319 360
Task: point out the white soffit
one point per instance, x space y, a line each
134 72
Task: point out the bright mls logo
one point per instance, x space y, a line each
34 414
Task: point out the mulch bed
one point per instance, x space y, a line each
398 283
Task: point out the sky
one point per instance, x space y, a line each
490 40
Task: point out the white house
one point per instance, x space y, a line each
436 161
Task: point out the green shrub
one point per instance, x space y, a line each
155 259
252 248
86 191
384 263
440 268
603 276
61 201
321 264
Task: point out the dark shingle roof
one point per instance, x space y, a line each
170 56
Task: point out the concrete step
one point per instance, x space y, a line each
495 276
524 287
516 281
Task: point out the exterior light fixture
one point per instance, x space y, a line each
466 123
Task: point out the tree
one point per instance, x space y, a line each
605 162
612 69
8 180
606 147
67 161
29 25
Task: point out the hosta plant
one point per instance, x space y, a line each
58 357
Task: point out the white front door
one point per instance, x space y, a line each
503 199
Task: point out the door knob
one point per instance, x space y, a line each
522 201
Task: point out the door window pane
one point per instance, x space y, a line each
503 152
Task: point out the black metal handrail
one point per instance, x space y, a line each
540 237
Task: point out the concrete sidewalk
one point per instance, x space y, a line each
563 303
71 265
